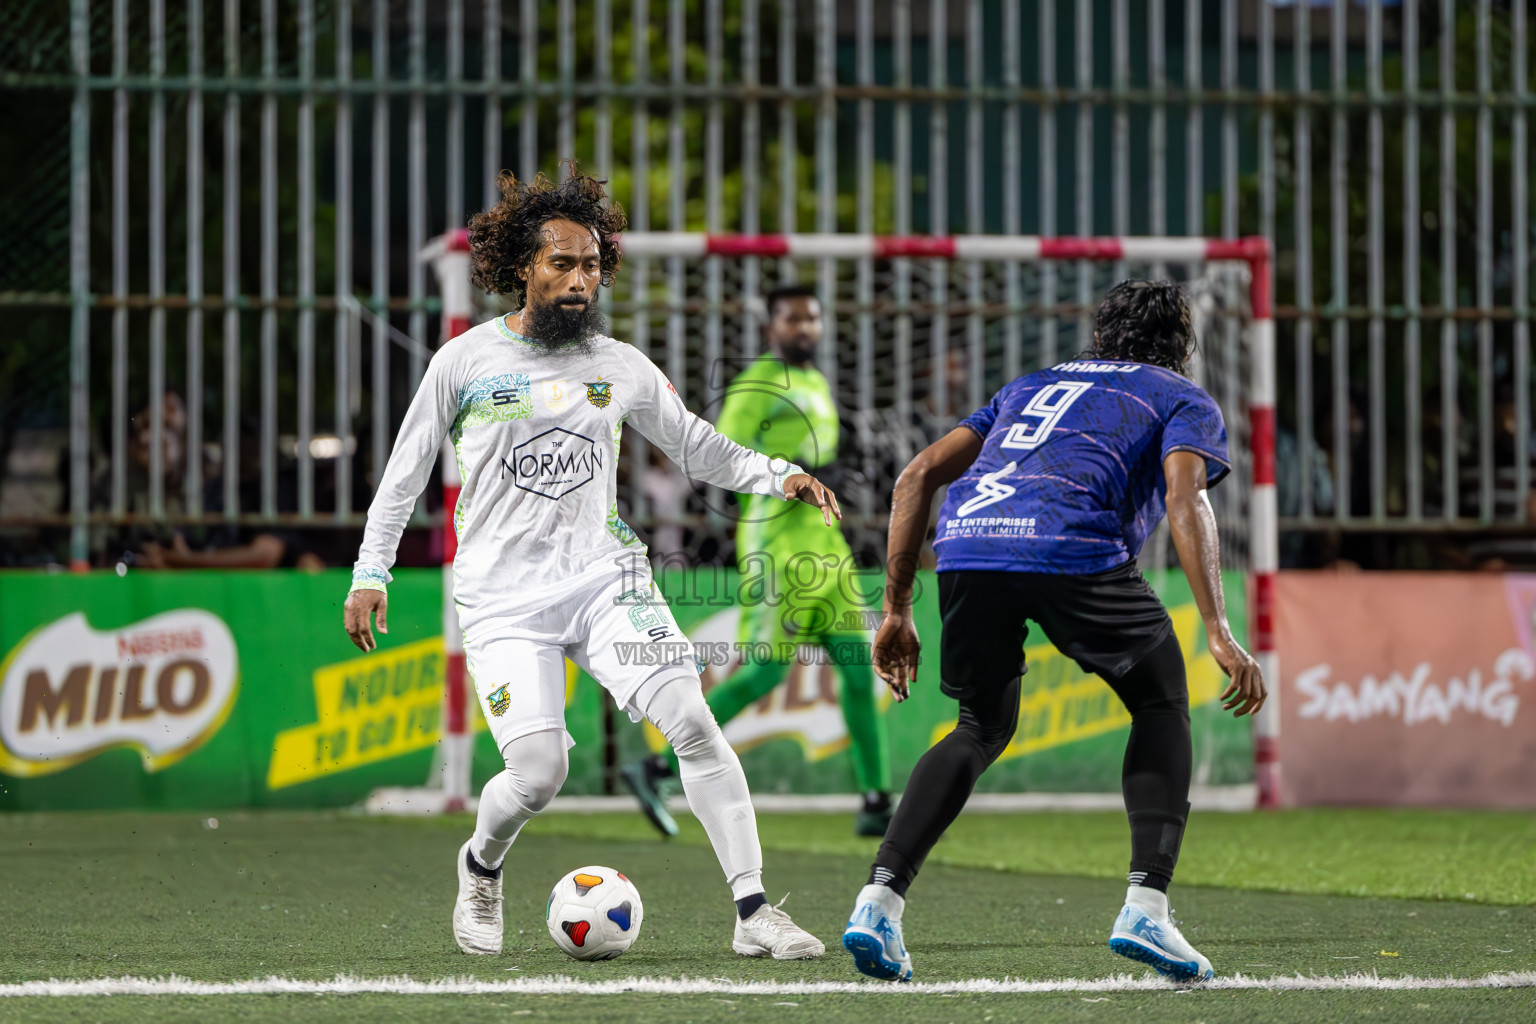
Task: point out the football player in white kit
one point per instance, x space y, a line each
546 570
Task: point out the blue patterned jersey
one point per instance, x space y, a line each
1070 475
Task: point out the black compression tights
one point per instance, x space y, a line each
1155 777
1158 759
942 780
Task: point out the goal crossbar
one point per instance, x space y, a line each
1018 248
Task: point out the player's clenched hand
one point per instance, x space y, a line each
356 613
806 488
1247 692
896 654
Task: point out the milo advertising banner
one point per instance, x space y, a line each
205 689
193 690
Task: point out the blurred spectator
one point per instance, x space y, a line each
1514 548
1358 484
1291 464
1305 548
222 545
266 550
666 491
136 479
1505 495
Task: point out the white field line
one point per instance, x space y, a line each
559 985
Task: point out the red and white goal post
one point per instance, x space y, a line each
449 255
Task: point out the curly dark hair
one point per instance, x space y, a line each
505 238
1146 322
785 292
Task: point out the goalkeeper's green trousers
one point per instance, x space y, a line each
849 652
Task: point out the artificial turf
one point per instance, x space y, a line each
1476 856
1172 1007
314 895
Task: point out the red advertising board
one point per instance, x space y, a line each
1407 688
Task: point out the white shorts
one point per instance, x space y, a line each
618 628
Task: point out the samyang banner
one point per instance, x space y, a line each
1407 688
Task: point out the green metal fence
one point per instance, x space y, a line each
225 199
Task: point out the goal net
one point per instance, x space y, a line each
910 347
919 332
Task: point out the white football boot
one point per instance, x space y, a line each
770 932
1145 931
477 911
873 935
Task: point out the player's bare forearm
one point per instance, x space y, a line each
910 502
1194 537
938 465
264 552
1193 525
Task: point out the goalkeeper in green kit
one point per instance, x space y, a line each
782 405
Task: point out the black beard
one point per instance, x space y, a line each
558 329
796 356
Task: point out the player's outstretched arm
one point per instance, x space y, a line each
698 449
432 411
1193 525
939 465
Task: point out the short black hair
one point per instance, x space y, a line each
785 292
504 239
1145 322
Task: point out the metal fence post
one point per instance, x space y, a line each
80 286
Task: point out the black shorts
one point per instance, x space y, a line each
1105 622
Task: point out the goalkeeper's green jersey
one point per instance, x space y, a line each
779 409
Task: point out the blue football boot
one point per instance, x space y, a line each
1144 934
873 935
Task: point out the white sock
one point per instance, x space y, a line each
536 768
1153 901
884 897
712 778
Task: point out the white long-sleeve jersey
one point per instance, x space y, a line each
537 438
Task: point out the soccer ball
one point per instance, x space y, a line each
594 913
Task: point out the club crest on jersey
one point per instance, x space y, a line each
599 392
499 701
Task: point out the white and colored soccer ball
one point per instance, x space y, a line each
594 913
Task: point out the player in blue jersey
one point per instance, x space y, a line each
1053 487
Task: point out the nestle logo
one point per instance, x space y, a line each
554 463
142 645
162 686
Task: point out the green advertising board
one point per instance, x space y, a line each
205 690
